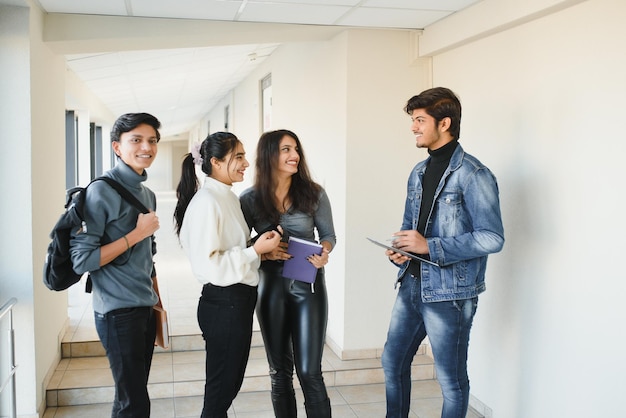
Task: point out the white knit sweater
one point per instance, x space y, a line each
214 235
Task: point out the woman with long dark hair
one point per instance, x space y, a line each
292 314
214 235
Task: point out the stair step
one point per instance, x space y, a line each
83 376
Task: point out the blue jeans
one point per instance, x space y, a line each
128 336
447 325
225 318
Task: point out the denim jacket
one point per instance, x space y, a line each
463 227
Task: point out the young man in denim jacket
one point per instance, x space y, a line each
451 218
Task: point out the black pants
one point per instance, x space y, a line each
293 321
225 318
128 335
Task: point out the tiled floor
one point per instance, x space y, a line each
83 381
365 401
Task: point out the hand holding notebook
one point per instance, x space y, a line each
399 251
298 267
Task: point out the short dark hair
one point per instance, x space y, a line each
438 102
129 121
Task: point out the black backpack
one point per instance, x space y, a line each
58 271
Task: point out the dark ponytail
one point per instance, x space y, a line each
187 187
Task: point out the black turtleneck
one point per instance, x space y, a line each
436 166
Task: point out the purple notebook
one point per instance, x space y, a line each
298 267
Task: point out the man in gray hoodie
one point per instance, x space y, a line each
116 247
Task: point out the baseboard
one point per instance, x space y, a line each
359 354
369 353
480 407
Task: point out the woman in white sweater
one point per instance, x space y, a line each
214 235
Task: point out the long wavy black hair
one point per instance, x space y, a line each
303 192
216 145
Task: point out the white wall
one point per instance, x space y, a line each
308 88
380 153
351 124
16 267
543 105
160 173
47 73
31 121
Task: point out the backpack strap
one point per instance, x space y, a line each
126 195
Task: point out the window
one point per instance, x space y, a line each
95 133
71 149
266 103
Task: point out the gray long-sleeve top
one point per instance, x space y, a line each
294 223
125 282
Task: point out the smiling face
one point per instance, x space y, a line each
288 157
230 169
137 148
428 133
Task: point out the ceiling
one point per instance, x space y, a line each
180 86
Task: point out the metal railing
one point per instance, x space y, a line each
7 309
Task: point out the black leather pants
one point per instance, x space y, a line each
293 321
